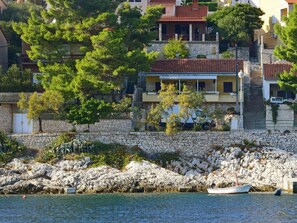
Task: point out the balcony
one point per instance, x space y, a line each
210 96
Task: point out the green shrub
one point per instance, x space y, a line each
226 127
197 127
9 148
202 56
164 158
212 6
227 55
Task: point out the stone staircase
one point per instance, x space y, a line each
254 109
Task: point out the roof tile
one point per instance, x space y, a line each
196 65
271 71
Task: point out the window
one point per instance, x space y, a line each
284 13
201 86
164 10
228 87
164 29
158 86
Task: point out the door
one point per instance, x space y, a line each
21 123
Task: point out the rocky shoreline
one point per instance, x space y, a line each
264 168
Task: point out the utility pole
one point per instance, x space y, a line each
236 75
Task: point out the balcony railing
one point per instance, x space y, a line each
210 96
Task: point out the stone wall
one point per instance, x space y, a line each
285 118
105 125
242 52
187 143
208 48
5 118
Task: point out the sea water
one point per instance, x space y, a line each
171 208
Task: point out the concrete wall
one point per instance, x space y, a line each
285 119
208 48
187 143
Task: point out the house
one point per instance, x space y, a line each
3 6
3 50
189 24
214 77
270 77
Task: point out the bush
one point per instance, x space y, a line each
198 127
9 148
212 6
228 54
226 127
201 56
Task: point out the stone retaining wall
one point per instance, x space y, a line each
5 118
105 125
188 143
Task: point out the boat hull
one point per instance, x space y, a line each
230 190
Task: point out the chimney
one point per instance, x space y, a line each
195 5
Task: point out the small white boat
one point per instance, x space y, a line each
230 190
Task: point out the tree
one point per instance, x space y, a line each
288 51
36 104
15 81
90 47
189 101
176 49
15 13
236 23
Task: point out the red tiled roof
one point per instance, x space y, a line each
291 1
271 71
196 65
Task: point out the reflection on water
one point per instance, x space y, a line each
188 207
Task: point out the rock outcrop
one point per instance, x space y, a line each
259 167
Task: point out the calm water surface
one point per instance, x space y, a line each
181 207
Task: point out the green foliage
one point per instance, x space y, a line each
201 56
165 158
287 51
88 112
15 13
228 54
122 107
274 110
212 6
236 23
114 155
36 104
176 49
15 81
9 148
91 47
288 80
188 102
197 127
287 34
250 144
61 139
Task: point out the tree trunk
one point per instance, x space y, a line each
40 124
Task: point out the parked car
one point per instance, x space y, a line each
197 117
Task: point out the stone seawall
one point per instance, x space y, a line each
187 143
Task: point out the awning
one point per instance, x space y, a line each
189 77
